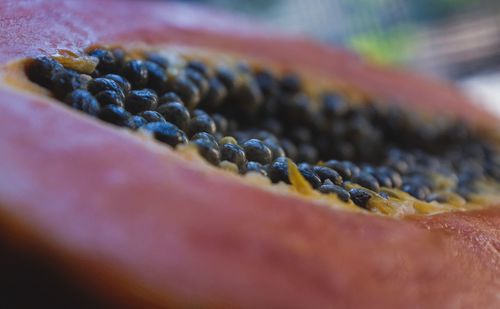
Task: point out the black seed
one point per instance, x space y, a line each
307 153
101 84
278 170
267 83
290 83
122 82
199 80
309 175
169 97
198 66
355 170
257 151
107 60
176 113
333 106
368 181
221 123
215 95
289 148
341 168
136 72
247 97
275 148
152 116
296 110
207 147
158 59
233 153
416 190
341 193
360 197
186 90
141 100
227 77
114 114
166 132
84 101
325 173
108 97
119 55
202 123
65 81
383 179
256 167
135 122
208 137
394 176
41 69
157 76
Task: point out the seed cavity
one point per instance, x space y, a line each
250 119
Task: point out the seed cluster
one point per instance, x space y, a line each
254 120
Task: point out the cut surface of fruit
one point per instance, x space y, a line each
249 118
135 222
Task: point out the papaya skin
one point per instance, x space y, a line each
135 224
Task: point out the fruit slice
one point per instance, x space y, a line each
136 223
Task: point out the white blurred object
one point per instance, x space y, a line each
485 90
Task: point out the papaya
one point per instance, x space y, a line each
164 155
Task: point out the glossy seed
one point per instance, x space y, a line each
207 147
157 76
257 151
102 84
341 168
65 81
158 59
325 173
360 197
122 82
309 175
141 100
114 114
152 116
215 95
108 97
107 60
275 148
136 72
202 123
166 132
253 166
199 80
41 69
135 122
416 190
176 113
186 90
227 77
233 153
341 193
368 181
278 170
84 101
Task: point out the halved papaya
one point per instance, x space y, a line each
94 214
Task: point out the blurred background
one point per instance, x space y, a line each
458 40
